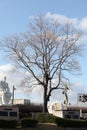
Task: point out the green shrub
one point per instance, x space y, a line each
24 115
27 122
71 123
8 123
46 118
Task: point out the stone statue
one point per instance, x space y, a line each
5 94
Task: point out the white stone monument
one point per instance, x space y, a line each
56 108
5 94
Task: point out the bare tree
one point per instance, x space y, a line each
48 51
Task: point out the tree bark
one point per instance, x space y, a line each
45 100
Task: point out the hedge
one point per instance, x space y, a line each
46 118
71 123
27 122
8 123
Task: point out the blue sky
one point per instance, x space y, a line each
14 18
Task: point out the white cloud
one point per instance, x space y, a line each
83 24
61 18
75 89
7 67
80 24
4 70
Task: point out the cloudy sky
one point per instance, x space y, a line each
14 18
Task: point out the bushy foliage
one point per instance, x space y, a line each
71 123
8 123
27 122
25 115
46 118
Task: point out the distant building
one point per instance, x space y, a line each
21 101
9 112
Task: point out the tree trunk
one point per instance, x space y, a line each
45 100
